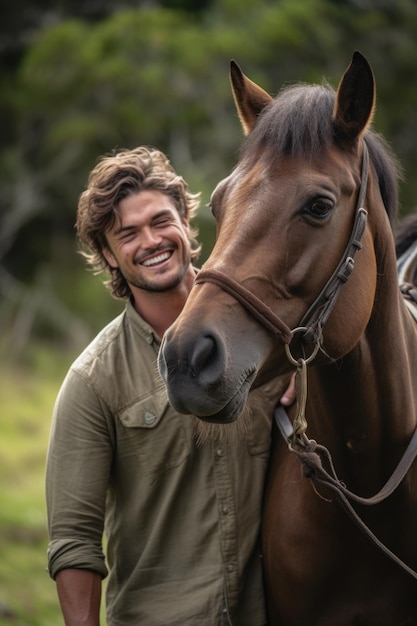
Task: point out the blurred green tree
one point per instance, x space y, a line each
86 77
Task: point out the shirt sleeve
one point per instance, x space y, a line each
78 467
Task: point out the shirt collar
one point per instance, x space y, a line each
143 328
140 325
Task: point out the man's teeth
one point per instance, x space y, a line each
157 259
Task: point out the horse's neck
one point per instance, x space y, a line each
391 344
364 407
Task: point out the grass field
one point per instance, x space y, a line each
27 393
27 595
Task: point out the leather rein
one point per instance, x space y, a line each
316 459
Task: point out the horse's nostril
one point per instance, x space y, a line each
203 354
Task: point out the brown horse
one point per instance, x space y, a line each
303 277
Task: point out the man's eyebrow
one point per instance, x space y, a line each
123 229
168 212
163 213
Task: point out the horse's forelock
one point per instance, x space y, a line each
298 123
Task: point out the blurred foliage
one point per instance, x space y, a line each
81 78
27 594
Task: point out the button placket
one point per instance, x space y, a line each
227 522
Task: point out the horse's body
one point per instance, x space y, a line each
284 218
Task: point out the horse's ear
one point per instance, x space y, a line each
355 100
249 99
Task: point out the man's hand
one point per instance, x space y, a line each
288 396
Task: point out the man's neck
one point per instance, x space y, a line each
161 309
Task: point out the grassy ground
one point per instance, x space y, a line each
27 594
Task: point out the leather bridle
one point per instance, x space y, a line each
317 315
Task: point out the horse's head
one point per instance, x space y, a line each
285 218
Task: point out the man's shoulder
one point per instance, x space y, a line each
119 365
103 341
122 349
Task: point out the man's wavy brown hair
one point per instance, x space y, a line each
115 177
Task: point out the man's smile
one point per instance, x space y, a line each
156 260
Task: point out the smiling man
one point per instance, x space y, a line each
181 519
148 244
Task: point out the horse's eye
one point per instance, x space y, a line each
319 209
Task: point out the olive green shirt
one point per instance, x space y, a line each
181 519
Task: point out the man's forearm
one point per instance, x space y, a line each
79 593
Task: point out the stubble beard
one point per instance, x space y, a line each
157 286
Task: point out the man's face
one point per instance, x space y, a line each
149 242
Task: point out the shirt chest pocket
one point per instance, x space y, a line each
155 433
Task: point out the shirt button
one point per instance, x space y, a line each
225 509
219 452
149 418
230 568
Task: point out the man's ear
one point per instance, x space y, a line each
110 258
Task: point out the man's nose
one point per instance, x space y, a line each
150 237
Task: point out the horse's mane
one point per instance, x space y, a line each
298 123
406 233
